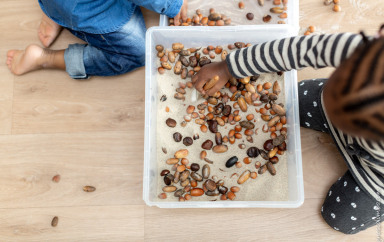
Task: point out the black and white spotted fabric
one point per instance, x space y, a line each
347 207
309 105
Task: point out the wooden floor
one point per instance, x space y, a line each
91 132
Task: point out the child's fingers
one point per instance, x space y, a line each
184 15
195 78
177 19
213 90
199 85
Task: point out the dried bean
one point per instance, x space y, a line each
222 189
196 176
218 138
207 145
181 153
212 125
231 162
244 177
187 141
169 189
164 172
253 152
177 137
268 145
271 168
206 171
195 192
171 122
195 167
220 148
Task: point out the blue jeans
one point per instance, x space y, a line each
108 54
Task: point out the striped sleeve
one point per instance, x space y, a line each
315 51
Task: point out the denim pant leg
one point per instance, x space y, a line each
108 54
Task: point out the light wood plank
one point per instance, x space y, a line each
110 161
90 223
303 224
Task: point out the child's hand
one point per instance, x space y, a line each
182 13
207 72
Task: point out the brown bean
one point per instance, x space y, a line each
273 121
54 221
171 122
247 124
187 141
278 109
267 18
172 161
177 46
56 178
89 189
244 177
212 101
161 70
184 175
277 10
257 164
274 160
262 169
224 55
231 195
171 57
220 121
242 104
212 125
218 138
162 195
253 152
164 172
159 48
203 128
253 175
268 145
222 189
183 153
248 132
235 189
169 189
196 192
273 152
247 160
207 145
241 6
220 148
177 137
195 166
271 168
206 171
196 176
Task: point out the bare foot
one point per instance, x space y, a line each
34 58
48 30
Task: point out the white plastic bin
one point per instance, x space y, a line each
197 36
231 9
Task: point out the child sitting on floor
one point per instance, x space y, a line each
114 31
349 106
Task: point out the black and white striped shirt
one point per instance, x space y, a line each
365 158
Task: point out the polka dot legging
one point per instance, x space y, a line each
347 208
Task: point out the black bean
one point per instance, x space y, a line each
231 162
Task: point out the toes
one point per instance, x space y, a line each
11 53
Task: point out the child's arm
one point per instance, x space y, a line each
171 8
315 51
